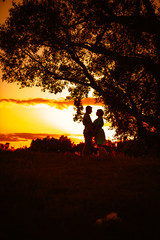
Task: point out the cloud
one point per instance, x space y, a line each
16 137
59 104
91 101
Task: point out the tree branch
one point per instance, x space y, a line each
88 75
128 60
54 75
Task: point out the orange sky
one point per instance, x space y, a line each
26 113
30 111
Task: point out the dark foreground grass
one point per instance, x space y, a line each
57 196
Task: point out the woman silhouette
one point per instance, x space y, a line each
99 134
98 130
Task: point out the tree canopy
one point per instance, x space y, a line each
109 46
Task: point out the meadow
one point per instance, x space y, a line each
65 196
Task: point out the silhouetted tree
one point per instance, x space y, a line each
78 148
63 144
109 46
66 143
4 147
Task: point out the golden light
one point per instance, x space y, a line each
43 118
61 119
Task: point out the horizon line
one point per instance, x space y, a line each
22 136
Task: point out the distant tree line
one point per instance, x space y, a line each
51 144
4 146
129 147
63 144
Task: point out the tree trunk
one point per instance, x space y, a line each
141 133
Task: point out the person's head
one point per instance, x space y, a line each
88 109
99 113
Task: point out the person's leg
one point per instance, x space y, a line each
88 145
102 152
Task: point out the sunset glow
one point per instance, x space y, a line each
39 116
29 113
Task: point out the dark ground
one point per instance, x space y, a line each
61 196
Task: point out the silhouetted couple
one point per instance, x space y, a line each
93 130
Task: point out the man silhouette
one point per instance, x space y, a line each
87 132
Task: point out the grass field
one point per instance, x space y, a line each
64 196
